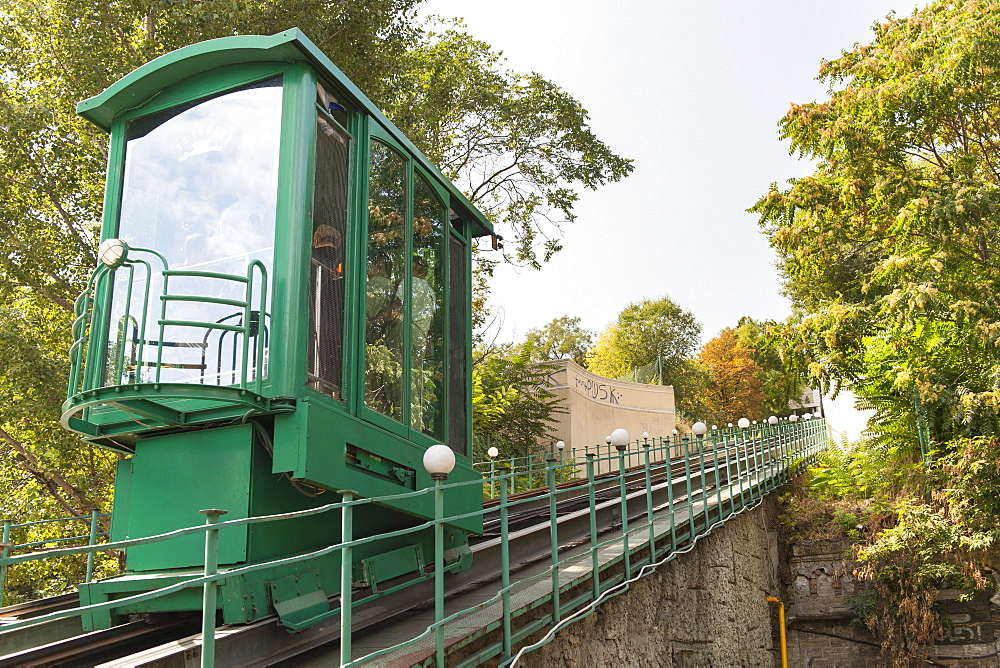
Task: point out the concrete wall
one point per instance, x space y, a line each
705 608
822 635
597 406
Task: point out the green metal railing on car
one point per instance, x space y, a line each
129 340
756 461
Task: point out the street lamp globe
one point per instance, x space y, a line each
439 460
743 423
620 438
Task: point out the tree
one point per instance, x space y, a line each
518 145
783 373
733 381
512 409
892 242
560 338
890 254
647 332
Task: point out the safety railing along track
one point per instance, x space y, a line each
705 482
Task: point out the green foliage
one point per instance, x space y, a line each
560 338
892 241
512 409
784 374
518 145
646 332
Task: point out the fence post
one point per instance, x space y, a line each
439 570
553 534
92 541
687 478
592 498
210 588
626 555
504 571
649 504
5 546
346 576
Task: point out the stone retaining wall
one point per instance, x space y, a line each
705 608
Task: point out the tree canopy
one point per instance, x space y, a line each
890 254
651 331
560 338
733 386
890 246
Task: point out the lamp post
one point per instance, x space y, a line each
620 439
492 452
560 446
439 460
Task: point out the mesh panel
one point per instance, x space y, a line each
326 293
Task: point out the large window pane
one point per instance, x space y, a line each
426 333
387 262
199 187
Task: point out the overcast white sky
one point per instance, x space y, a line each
692 91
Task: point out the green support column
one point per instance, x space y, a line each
505 570
591 496
553 535
439 571
92 540
210 590
649 504
346 576
5 546
626 555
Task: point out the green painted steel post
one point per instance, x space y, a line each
687 478
704 482
553 536
626 553
5 546
346 576
493 476
505 570
718 483
649 504
91 541
669 464
592 498
210 590
439 569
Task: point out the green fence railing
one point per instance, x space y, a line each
717 477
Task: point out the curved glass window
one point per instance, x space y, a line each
199 188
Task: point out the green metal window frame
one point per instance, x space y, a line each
403 428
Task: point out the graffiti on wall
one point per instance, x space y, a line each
598 391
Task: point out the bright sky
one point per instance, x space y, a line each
693 93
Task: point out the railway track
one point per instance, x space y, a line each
167 641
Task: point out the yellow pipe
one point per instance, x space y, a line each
781 629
